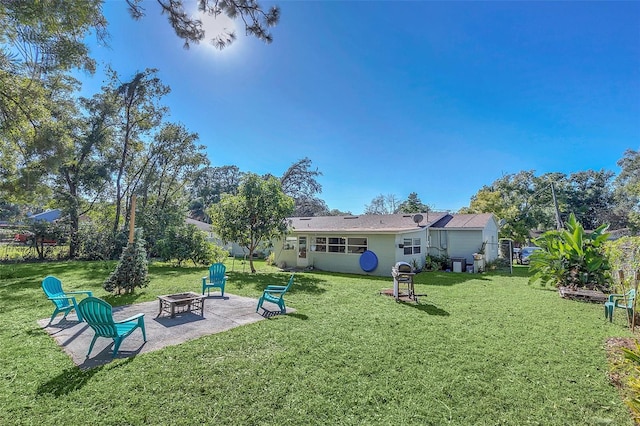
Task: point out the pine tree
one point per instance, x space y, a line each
132 269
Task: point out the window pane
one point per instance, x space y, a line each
407 241
357 241
336 249
416 241
407 250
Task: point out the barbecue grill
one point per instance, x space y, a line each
402 274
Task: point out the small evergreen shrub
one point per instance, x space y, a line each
132 269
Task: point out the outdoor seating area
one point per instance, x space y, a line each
174 319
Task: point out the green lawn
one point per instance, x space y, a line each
479 349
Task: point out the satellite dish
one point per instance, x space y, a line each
502 223
417 218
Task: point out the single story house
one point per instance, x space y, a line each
373 244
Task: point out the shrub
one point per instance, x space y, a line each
132 269
99 242
624 254
271 259
436 263
187 242
634 381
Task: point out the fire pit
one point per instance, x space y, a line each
173 304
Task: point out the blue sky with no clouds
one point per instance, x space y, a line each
438 98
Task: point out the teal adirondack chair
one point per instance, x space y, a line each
217 278
624 301
63 301
275 294
98 314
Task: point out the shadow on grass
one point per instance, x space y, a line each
72 379
442 278
302 283
426 308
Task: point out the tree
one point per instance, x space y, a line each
337 212
413 205
168 164
83 171
208 186
256 214
300 183
382 204
627 189
521 199
186 242
256 20
590 197
138 113
40 42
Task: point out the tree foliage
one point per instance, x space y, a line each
187 242
257 20
525 201
413 205
256 214
627 189
300 182
208 186
382 204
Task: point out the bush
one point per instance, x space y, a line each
271 259
132 269
99 242
187 242
436 263
624 255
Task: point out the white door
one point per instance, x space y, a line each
303 261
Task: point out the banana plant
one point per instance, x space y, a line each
572 257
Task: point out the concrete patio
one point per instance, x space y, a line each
220 314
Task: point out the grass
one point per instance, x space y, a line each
479 349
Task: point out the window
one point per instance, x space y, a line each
351 245
356 245
320 244
289 243
336 245
412 246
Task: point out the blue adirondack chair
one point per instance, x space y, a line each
624 301
63 301
217 278
99 315
275 294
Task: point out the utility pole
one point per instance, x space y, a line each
555 205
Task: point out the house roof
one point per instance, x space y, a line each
48 216
363 223
464 221
203 226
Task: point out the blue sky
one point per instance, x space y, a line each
438 98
